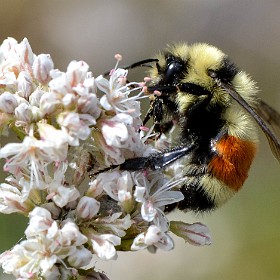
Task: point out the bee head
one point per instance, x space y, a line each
184 74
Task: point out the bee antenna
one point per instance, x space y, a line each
141 63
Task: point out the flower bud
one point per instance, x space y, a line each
196 234
8 102
49 102
25 84
88 104
23 112
35 97
87 207
25 51
42 66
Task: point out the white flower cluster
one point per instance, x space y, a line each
69 125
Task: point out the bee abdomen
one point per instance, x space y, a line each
226 172
232 161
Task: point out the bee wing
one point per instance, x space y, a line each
266 117
270 116
272 119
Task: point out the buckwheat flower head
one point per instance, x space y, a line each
73 131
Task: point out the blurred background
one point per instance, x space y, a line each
246 231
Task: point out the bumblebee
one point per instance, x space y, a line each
216 109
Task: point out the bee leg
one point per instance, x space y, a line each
158 160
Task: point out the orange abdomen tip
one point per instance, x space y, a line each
233 160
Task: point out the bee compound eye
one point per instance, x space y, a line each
173 72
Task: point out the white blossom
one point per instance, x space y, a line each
104 245
8 102
196 234
63 172
41 67
154 196
12 200
87 207
154 237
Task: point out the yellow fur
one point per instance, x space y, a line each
217 190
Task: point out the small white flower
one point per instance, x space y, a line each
35 97
31 154
104 245
60 193
154 237
8 102
87 207
76 126
23 112
88 104
113 224
25 52
115 130
49 102
40 220
71 235
116 93
41 67
25 84
196 234
77 72
57 139
63 83
11 200
80 258
155 195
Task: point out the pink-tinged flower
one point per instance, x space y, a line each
57 139
58 190
76 126
12 201
25 84
119 139
117 92
6 47
8 102
196 234
70 234
63 83
89 104
87 207
115 130
14 58
41 67
35 97
40 221
31 154
77 72
25 52
118 185
103 245
23 113
154 195
49 102
113 224
27 260
95 188
80 257
45 247
153 237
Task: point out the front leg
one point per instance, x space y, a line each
158 160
